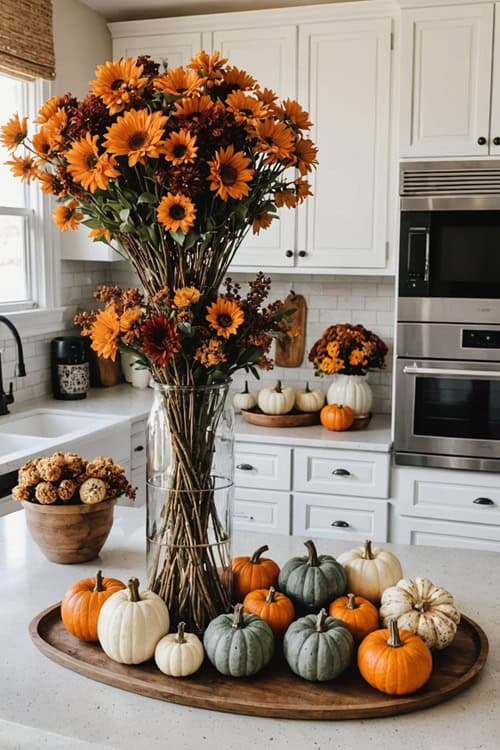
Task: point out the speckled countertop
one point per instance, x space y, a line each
43 705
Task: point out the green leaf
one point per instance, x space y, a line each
124 214
146 198
187 329
178 237
191 239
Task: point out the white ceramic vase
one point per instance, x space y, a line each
127 361
353 391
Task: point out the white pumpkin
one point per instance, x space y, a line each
276 400
245 399
422 608
307 400
130 624
370 570
179 654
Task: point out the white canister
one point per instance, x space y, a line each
140 378
353 391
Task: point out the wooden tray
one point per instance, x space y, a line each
292 419
275 692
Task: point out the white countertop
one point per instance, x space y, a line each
44 705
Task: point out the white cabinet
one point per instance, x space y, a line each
495 88
446 81
337 517
261 510
344 83
174 49
341 472
445 534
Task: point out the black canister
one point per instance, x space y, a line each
70 367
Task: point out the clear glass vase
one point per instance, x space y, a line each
189 501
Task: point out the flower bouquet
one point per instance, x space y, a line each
173 168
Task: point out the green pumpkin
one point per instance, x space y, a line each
313 581
318 647
239 644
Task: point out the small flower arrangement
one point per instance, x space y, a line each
347 349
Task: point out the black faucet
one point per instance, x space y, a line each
20 371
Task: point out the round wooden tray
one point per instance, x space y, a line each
274 692
292 419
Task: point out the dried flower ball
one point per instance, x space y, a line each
21 492
50 469
28 475
73 464
46 493
100 467
93 491
66 489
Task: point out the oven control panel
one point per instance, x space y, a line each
480 339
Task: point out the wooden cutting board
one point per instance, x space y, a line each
291 353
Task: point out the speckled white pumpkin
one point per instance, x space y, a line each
179 654
422 608
131 624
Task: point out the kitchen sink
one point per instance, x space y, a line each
49 424
15 443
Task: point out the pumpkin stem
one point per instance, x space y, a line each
308 390
98 581
255 559
367 552
394 639
238 617
351 602
133 588
180 632
421 605
320 621
245 389
312 554
270 595
278 387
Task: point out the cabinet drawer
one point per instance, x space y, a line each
341 472
138 449
259 510
454 534
262 466
340 517
459 496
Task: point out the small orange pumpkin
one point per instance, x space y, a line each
275 608
357 613
250 573
82 603
394 661
336 417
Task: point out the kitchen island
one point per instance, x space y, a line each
43 705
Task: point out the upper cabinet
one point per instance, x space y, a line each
176 48
446 82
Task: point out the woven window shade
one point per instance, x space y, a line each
27 39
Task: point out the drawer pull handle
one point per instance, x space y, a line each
244 516
483 501
245 467
341 473
341 524
139 448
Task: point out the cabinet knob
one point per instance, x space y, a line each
340 524
245 467
481 141
496 141
302 253
483 501
341 473
289 253
139 448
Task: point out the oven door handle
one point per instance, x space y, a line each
434 371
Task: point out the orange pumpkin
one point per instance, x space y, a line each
250 573
275 608
394 661
357 613
82 603
336 418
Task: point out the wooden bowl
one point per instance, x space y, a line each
70 533
294 418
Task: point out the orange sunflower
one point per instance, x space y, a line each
294 114
261 221
193 107
54 129
266 96
136 134
130 318
176 212
303 189
225 316
208 66
104 333
286 198
178 82
234 78
180 147
13 133
100 233
88 168
41 144
67 217
48 183
25 167
229 174
48 109
186 296
305 155
116 81
274 139
245 108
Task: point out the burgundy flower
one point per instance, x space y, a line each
161 339
91 116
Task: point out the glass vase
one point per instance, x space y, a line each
353 391
190 459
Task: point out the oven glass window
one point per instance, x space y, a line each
457 408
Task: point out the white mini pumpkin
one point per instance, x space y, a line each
179 654
422 608
276 400
307 400
370 570
244 400
131 624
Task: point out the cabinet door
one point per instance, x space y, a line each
344 82
270 56
445 80
175 49
495 88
